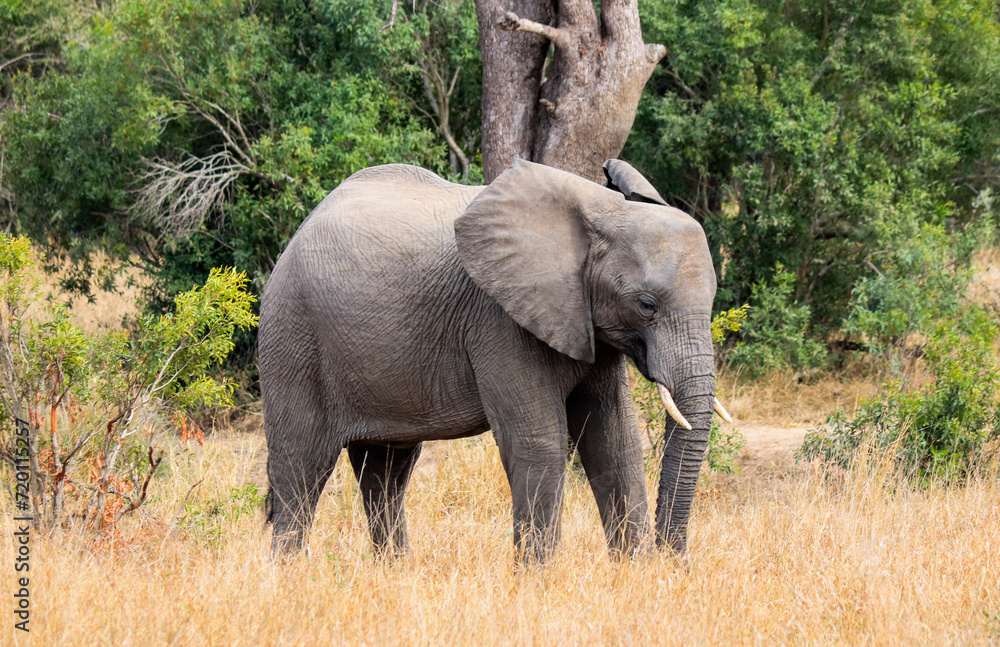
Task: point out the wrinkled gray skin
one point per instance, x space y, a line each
407 308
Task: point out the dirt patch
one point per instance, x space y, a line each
768 439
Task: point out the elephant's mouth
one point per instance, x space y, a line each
635 348
642 364
630 344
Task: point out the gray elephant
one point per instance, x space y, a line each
407 308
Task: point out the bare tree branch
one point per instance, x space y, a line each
510 22
26 55
438 93
180 195
680 82
392 16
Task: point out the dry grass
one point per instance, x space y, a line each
778 556
985 286
105 309
781 400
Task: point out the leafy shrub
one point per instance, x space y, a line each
724 447
727 322
947 428
206 521
909 287
813 137
774 334
93 404
209 130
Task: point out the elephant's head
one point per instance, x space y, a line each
574 262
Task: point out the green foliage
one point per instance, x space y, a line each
93 403
815 136
209 521
728 321
724 446
181 346
916 284
775 334
200 134
946 429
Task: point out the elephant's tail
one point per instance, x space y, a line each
269 505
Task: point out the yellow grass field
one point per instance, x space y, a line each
780 554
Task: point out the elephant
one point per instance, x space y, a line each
407 308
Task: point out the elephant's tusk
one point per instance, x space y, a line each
672 409
721 410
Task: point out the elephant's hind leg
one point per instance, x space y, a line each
297 479
383 474
304 432
301 454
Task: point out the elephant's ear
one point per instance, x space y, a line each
630 183
524 240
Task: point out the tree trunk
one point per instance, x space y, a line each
512 73
576 111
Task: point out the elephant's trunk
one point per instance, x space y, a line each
687 366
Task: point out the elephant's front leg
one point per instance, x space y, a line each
523 385
535 462
603 426
530 431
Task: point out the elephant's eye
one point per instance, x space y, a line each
647 304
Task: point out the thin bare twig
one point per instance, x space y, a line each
872 265
185 500
392 16
26 55
180 195
134 504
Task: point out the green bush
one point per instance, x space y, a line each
724 446
775 333
94 404
812 134
207 522
909 287
945 429
194 135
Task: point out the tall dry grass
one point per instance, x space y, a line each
778 555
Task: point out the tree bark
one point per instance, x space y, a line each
512 73
576 111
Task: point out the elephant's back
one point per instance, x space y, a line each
389 209
380 225
373 282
